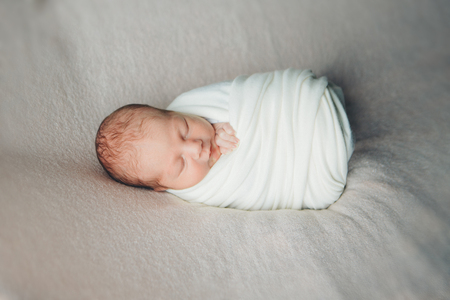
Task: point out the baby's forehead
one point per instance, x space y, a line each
150 118
154 128
166 121
157 122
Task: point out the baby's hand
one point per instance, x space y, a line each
225 137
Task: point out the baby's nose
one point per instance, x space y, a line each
193 148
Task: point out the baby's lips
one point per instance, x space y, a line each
214 155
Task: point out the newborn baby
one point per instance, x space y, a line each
294 143
140 145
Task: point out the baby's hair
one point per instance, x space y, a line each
114 142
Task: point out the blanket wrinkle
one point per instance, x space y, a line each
295 143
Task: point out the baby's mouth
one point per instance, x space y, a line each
213 156
211 151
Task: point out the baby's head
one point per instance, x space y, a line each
140 145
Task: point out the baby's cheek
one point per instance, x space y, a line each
196 174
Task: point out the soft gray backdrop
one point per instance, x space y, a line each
67 231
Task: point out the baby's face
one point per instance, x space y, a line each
180 151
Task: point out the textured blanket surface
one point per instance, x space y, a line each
67 231
295 142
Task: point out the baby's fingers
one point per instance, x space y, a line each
226 136
228 129
225 146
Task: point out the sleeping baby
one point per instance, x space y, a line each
140 145
274 140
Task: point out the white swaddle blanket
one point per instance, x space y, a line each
295 143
